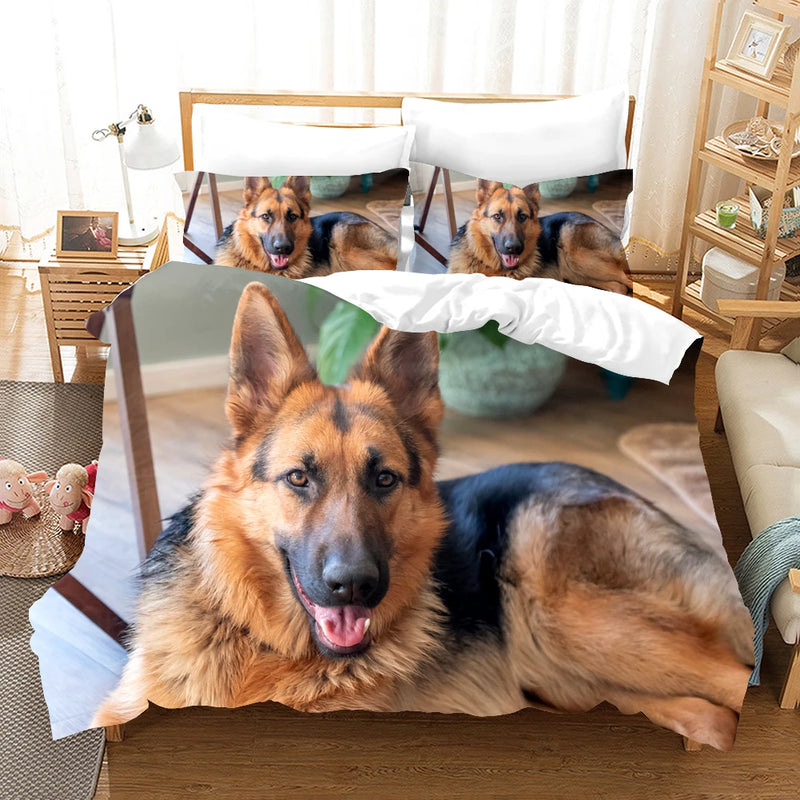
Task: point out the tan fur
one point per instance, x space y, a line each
589 254
354 244
477 253
602 601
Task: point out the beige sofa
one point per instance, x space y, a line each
759 397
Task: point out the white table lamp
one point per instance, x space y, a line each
148 149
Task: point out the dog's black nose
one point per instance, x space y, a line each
351 583
513 247
281 246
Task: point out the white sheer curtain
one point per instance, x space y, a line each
67 68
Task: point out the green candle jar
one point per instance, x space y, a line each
726 214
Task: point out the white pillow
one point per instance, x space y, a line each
521 143
233 143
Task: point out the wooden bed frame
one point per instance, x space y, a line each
369 101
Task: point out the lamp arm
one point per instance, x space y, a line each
118 128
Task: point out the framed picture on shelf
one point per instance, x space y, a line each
87 234
758 44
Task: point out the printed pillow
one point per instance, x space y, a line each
529 199
315 200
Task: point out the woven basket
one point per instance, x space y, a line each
37 547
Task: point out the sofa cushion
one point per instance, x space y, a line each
770 494
759 395
792 350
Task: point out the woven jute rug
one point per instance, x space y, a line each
613 213
671 452
388 211
43 426
37 547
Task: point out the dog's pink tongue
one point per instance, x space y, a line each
345 626
279 261
510 261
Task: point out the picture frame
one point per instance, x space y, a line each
758 44
87 234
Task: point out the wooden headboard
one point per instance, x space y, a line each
192 97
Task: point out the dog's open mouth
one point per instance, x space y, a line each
278 261
509 261
343 630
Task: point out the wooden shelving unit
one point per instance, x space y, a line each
782 91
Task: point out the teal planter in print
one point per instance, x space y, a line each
480 378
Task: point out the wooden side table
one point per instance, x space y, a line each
73 288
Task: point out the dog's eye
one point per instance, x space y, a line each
267 216
522 216
386 479
297 478
291 216
497 217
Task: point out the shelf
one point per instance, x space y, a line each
775 91
789 8
742 240
691 298
761 173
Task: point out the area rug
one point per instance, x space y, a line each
612 212
43 426
671 452
388 211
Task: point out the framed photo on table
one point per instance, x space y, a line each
87 234
758 44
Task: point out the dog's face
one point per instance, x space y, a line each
335 483
509 220
273 227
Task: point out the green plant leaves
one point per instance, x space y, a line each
343 337
490 331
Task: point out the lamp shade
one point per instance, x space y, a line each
148 148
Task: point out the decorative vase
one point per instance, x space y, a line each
329 186
554 190
478 378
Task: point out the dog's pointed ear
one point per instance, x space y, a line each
486 189
406 365
253 188
301 186
267 360
531 191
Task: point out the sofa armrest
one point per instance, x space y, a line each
747 312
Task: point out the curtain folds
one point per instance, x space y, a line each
69 68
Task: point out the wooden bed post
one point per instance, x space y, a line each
135 435
790 693
133 419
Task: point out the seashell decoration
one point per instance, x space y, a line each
758 139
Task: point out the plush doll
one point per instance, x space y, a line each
71 494
16 492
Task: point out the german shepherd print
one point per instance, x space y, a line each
323 567
506 236
275 233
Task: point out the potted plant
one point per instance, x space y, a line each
481 372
